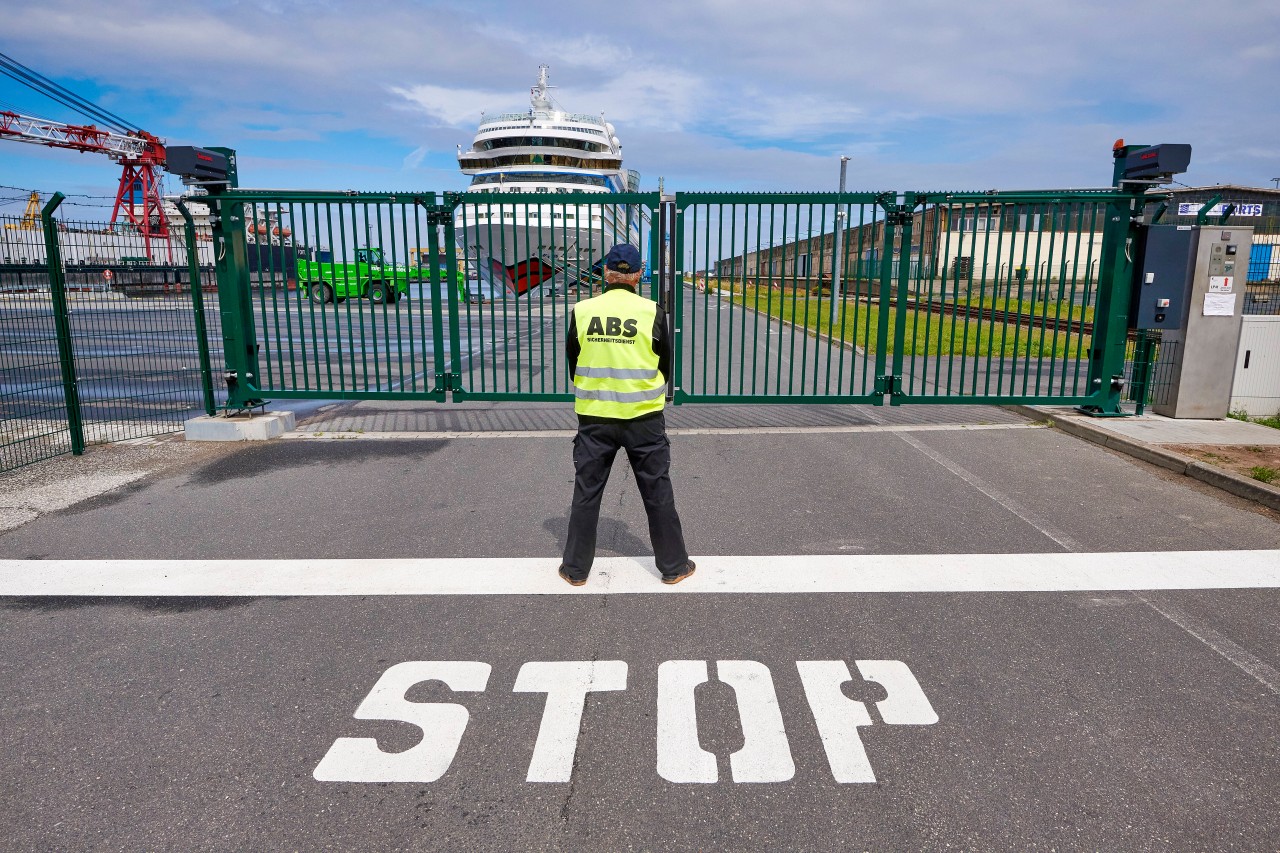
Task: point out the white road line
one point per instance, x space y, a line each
841 573
1263 672
345 435
1067 543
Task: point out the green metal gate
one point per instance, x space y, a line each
409 296
948 297
994 297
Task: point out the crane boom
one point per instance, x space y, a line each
80 137
141 154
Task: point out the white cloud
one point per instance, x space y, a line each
415 157
716 92
455 107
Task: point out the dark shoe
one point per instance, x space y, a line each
572 581
688 570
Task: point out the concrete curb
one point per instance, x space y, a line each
1228 481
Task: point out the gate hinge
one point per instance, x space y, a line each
438 216
448 382
889 384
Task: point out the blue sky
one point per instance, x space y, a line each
741 95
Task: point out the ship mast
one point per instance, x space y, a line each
539 96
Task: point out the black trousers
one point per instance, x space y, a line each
649 452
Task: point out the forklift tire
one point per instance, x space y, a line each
320 292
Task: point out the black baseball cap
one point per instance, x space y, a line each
623 257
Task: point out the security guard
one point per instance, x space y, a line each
620 357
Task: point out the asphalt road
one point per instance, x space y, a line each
1068 717
1084 694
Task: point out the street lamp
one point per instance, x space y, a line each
837 246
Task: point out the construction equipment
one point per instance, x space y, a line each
30 216
140 154
371 277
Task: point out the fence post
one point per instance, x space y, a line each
197 302
62 322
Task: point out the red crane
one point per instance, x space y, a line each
140 154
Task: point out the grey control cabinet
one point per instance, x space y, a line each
1192 287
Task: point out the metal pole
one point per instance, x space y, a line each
197 304
1110 327
62 323
668 277
837 262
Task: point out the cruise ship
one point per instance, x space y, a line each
524 242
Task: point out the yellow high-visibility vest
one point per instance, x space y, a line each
617 374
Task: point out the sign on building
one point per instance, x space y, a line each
1191 208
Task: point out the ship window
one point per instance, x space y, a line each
539 142
541 177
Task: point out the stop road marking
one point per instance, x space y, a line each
765 755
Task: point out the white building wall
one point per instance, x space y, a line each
999 254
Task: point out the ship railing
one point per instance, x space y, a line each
583 118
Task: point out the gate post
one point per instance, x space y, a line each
444 215
904 214
239 337
448 373
197 304
887 382
62 322
1111 319
671 224
670 282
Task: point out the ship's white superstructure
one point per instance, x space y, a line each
521 158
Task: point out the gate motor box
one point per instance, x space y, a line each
1157 163
196 165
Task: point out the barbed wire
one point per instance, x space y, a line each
30 190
